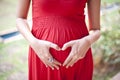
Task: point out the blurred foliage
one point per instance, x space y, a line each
107 49
13 60
109 1
8 9
7 14
109 42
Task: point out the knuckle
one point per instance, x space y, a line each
75 57
54 65
55 62
81 57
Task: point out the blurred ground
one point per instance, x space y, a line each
13 60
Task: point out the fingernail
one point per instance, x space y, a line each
60 64
59 48
71 65
66 66
57 68
52 68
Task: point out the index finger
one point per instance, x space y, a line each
68 59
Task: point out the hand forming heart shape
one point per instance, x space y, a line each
78 50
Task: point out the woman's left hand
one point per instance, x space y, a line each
79 48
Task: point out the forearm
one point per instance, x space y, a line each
93 20
24 29
93 36
93 14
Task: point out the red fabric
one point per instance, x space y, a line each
59 21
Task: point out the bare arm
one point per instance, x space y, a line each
94 14
94 19
22 25
81 46
39 46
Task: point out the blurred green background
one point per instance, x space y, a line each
13 55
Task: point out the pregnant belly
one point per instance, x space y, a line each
59 30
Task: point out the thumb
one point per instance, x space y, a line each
55 46
66 45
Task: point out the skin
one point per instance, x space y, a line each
79 47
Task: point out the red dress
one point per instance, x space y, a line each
59 21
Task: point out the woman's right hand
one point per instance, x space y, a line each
41 48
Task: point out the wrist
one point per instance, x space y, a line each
88 40
32 40
93 36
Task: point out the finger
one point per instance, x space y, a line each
49 64
67 60
52 65
72 62
82 54
48 56
54 46
66 45
56 66
44 61
57 63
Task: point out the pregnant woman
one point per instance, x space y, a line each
60 40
